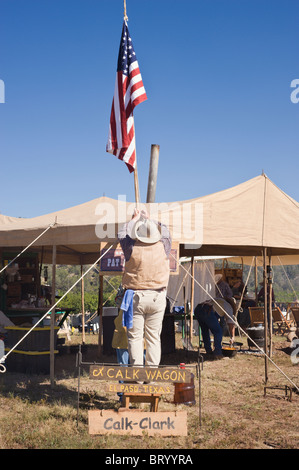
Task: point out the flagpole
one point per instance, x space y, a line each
136 183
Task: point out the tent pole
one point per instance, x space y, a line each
192 299
52 354
265 314
270 305
100 312
82 306
256 279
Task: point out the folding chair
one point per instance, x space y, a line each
279 322
289 311
256 315
295 315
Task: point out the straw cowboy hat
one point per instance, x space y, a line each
146 231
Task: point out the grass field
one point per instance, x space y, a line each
235 413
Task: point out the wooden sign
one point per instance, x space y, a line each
139 388
135 422
113 262
142 374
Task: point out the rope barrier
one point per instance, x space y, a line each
30 244
53 306
237 324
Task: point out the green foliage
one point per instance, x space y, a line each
285 282
73 301
66 276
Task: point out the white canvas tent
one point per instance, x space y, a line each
245 218
239 221
254 218
182 283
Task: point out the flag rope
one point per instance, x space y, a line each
125 11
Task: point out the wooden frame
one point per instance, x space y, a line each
279 321
295 315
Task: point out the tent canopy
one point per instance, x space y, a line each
245 218
238 221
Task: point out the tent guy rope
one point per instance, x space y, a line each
237 324
50 309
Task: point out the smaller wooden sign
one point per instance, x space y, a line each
139 374
163 389
135 422
113 262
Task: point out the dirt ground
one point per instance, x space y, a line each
232 410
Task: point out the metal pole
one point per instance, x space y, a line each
153 172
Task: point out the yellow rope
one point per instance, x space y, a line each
125 11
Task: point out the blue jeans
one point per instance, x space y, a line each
122 356
208 320
122 359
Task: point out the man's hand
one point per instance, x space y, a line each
137 214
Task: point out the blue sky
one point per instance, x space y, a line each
217 75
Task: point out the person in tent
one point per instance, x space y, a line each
146 245
209 314
261 295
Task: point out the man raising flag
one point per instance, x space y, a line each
129 92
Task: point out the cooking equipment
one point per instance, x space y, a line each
229 351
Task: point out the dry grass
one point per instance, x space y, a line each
235 413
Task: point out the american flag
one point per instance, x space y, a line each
129 92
